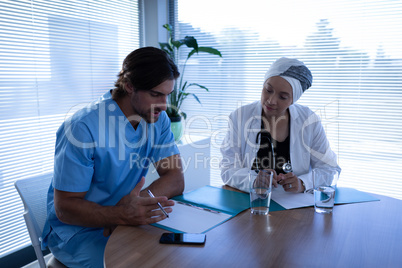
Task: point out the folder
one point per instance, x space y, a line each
217 198
345 195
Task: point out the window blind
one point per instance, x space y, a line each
55 56
353 50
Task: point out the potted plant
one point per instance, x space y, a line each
180 93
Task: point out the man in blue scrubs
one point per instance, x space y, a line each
102 155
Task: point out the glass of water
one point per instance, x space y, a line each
325 181
260 191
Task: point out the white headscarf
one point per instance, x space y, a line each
293 71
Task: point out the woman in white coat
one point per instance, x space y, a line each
277 134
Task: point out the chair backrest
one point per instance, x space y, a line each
33 192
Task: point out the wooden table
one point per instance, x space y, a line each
355 235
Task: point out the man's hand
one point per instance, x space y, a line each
141 210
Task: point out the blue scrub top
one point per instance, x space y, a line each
99 152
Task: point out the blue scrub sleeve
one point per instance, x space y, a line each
73 162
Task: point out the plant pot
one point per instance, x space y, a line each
176 125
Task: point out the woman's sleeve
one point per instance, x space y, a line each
234 168
321 155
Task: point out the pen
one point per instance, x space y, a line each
159 204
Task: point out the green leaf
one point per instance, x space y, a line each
198 85
192 52
177 44
209 50
195 96
165 46
183 88
180 95
190 41
172 112
183 96
168 27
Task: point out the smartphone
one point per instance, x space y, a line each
182 238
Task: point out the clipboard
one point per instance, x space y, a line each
203 209
188 218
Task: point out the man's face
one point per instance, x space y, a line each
276 97
148 104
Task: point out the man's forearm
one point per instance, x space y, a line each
168 185
171 181
77 211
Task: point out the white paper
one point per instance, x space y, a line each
292 200
190 219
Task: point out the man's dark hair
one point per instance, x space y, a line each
144 69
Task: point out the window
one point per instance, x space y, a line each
353 50
55 56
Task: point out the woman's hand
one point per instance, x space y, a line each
263 178
290 183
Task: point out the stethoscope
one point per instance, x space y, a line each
287 167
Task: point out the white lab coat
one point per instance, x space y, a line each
309 147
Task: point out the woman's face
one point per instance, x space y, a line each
276 97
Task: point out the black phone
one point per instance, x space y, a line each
182 238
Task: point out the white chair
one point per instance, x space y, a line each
33 192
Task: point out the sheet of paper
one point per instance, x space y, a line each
292 200
342 196
192 219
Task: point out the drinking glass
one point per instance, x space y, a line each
260 191
324 181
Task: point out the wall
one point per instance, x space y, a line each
155 15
